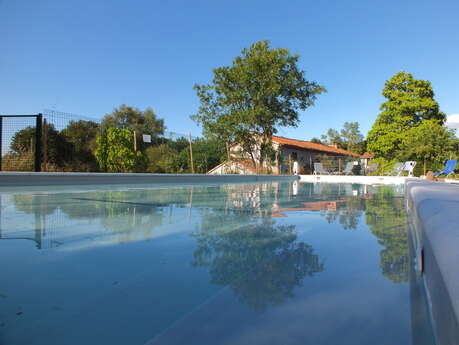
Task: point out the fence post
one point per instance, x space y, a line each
191 155
1 139
38 146
45 145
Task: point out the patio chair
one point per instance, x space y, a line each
396 170
348 169
320 170
449 168
372 167
408 166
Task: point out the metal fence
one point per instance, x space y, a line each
20 142
65 142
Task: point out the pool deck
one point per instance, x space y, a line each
353 179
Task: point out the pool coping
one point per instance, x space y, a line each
432 209
354 179
24 179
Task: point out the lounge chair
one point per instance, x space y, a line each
320 170
348 169
449 168
396 170
408 166
372 167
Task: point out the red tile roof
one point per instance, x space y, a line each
312 146
368 155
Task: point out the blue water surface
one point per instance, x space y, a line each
266 263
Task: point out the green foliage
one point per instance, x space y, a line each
352 137
349 138
384 165
142 122
115 151
59 150
409 102
24 161
162 159
262 90
82 136
429 142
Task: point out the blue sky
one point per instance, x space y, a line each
89 56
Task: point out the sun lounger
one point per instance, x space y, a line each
320 170
449 168
396 170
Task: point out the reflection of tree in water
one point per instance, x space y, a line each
39 205
386 218
261 262
347 213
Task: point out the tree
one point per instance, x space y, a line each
316 141
332 138
115 151
352 137
207 153
82 135
162 159
262 90
429 142
142 122
59 150
409 102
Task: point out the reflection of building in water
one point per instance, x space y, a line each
309 206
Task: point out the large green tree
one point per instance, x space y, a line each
409 102
261 91
429 142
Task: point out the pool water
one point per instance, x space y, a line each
266 263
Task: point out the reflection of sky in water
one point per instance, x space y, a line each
226 264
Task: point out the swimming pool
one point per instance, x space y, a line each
265 263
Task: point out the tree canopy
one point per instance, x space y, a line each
262 90
429 142
142 122
348 138
409 102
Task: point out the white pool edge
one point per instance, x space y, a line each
370 180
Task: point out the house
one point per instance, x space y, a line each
287 151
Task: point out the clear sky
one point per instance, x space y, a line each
89 56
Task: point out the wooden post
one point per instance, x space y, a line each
191 155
